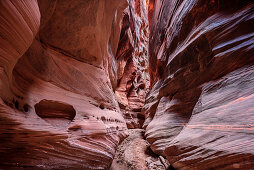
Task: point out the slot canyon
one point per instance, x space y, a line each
127 84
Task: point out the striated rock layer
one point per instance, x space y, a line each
57 107
132 61
199 112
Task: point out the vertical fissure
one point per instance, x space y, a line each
132 61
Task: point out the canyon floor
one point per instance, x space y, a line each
134 153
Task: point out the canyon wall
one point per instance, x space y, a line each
199 112
58 74
74 75
132 61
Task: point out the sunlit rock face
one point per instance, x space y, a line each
58 108
132 62
199 112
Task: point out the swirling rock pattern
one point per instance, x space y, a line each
199 112
57 108
132 61
74 76
19 24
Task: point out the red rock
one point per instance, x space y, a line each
74 77
132 60
59 108
199 112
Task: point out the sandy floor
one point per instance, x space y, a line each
134 154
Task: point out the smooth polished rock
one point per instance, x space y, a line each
58 106
199 112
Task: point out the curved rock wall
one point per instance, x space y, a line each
199 112
58 107
132 61
20 22
73 73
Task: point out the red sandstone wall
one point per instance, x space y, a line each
199 112
57 107
132 61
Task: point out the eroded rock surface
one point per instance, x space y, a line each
132 61
74 77
199 112
58 107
